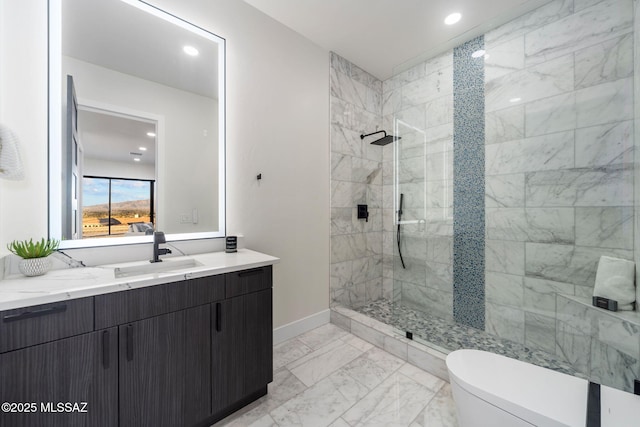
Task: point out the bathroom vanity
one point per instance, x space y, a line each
176 348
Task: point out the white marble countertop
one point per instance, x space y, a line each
17 291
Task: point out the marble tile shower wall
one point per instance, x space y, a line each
418 106
559 160
603 345
559 175
356 178
636 93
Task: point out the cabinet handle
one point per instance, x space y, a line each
250 272
218 317
105 349
35 313
129 343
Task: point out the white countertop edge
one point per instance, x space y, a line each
18 291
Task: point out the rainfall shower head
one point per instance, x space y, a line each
386 139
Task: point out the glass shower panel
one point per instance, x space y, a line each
410 249
422 170
422 115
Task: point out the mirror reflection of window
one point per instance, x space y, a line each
121 151
117 207
95 192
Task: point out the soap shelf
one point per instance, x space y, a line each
632 317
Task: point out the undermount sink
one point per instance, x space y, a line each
165 266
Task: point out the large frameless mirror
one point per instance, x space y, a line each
136 125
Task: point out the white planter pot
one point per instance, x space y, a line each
34 266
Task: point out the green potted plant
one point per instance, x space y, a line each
35 255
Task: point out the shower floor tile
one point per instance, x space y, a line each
372 388
446 336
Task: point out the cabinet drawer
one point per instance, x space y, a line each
247 281
37 324
128 306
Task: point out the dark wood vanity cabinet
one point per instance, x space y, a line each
165 366
179 354
54 369
243 339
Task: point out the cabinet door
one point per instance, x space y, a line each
258 367
165 372
242 348
71 371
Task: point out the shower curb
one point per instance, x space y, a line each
387 338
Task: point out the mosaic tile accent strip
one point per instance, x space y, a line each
468 184
446 336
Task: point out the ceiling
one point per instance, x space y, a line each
384 36
115 35
118 36
113 138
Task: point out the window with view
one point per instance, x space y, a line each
117 207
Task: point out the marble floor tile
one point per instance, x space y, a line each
284 387
265 421
315 353
340 423
373 367
440 412
395 402
428 380
289 351
322 403
323 362
320 336
373 388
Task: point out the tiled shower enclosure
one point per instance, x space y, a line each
516 164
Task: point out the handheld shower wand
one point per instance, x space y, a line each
398 238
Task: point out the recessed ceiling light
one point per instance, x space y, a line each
479 53
453 18
190 50
151 134
142 148
512 100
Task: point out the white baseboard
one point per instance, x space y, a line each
293 329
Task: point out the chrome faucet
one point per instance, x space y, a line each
158 238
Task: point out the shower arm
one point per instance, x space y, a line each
373 133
